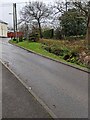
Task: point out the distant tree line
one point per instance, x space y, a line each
66 18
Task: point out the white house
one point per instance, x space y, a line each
3 29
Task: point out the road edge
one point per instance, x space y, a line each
48 110
70 65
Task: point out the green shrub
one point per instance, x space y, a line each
47 48
34 37
57 51
20 39
48 34
14 39
58 34
73 60
66 57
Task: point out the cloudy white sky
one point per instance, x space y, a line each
6 7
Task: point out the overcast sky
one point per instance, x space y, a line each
6 7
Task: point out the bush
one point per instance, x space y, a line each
14 39
66 57
48 48
34 37
58 34
20 39
56 50
48 34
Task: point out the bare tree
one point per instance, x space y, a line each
36 12
58 9
25 29
61 6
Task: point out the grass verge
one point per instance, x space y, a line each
37 48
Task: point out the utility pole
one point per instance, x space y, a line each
66 5
15 19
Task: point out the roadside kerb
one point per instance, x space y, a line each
70 65
32 93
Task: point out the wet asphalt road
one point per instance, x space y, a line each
17 102
63 89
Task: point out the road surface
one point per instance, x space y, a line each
63 89
17 102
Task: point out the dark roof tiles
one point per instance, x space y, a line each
3 22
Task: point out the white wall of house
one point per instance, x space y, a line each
3 29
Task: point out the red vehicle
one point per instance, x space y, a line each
17 34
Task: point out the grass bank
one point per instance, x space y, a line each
37 47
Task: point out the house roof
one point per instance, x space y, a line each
3 22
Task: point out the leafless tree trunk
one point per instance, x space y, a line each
40 30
